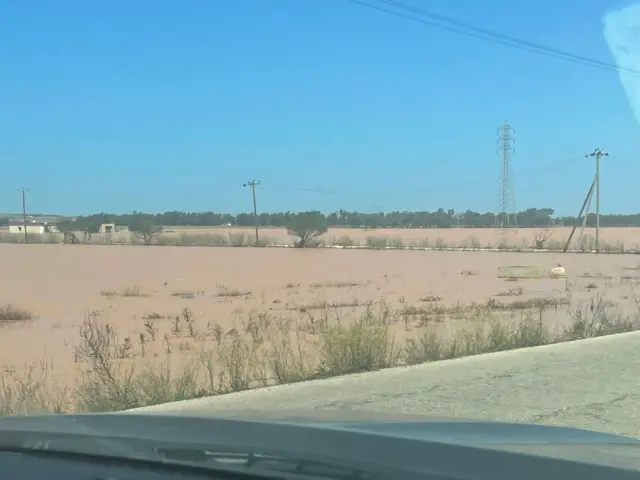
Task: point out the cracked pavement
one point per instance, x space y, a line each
592 384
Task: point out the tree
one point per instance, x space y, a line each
442 218
144 227
89 226
541 237
307 226
68 229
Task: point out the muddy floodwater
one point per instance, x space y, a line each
127 285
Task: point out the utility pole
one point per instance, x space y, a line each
253 184
597 153
584 211
24 215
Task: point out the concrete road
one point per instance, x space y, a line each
593 384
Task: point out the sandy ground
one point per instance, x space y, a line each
590 384
62 284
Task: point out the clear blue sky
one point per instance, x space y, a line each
156 105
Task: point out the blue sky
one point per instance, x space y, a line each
156 105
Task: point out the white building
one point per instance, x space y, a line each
32 226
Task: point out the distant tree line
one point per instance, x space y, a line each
530 218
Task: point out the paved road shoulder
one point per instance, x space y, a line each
593 384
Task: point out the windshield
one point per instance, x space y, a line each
354 206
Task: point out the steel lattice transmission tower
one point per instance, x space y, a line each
506 202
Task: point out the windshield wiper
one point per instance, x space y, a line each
262 462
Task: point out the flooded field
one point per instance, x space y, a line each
179 301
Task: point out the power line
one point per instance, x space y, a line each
444 183
432 19
441 185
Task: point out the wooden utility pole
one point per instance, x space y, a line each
253 184
584 213
24 215
597 153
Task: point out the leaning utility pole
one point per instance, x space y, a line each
253 184
24 215
595 185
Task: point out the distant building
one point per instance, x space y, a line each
107 228
32 226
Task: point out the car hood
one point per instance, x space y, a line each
458 430
243 429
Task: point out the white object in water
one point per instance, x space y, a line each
558 271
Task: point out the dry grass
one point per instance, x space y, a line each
119 372
125 292
512 292
613 240
226 292
10 314
335 284
430 298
